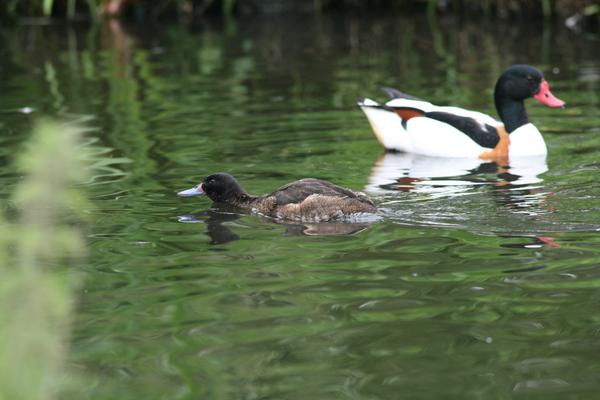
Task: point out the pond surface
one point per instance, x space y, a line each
478 281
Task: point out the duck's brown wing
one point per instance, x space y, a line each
321 207
296 192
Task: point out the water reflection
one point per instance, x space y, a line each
516 185
413 172
216 229
219 217
532 242
326 228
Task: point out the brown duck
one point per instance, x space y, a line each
308 199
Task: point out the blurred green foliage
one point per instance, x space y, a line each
191 8
36 291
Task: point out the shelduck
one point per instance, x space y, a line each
410 125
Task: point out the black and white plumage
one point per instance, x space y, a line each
408 124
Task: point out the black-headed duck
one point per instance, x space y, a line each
410 125
304 200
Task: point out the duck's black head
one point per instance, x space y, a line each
219 187
516 84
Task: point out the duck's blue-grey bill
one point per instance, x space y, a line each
195 191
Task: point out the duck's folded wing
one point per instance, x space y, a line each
481 128
298 191
480 132
400 104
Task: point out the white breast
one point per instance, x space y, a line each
527 141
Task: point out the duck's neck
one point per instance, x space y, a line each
242 200
511 112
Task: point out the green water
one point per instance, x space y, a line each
477 282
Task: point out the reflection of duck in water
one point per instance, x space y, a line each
327 228
515 185
306 200
217 228
410 125
412 172
532 242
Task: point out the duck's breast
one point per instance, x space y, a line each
527 141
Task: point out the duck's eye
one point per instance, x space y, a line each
529 78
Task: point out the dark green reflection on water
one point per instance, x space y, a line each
476 283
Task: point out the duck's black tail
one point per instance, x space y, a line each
396 94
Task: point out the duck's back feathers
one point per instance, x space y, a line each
298 191
314 200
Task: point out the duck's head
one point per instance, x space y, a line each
520 82
219 187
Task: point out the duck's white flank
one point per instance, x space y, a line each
430 137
